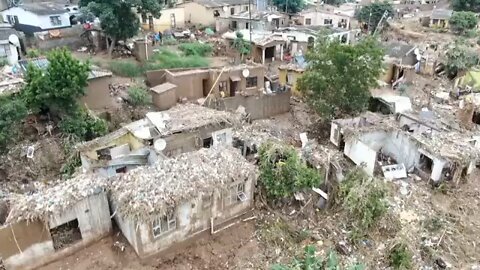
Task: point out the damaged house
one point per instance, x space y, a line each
54 222
183 128
182 197
402 60
378 142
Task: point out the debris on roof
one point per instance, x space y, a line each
54 199
441 14
148 192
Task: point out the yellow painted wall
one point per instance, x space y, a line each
439 23
163 23
282 78
125 139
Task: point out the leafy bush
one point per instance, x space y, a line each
400 257
83 126
312 262
167 59
170 41
460 57
126 68
462 21
283 173
138 96
363 198
12 111
196 48
33 53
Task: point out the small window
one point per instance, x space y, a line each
251 82
232 11
75 9
236 194
144 18
245 8
216 13
308 21
246 25
5 50
222 87
327 21
121 170
163 225
55 20
207 201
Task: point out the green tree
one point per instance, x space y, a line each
283 173
462 21
339 77
466 5
59 86
12 111
460 57
371 14
83 126
242 46
118 18
289 6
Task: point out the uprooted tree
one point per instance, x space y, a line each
282 171
339 77
118 18
363 198
371 14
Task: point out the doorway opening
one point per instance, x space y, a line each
66 234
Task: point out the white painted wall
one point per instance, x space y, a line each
12 57
361 154
29 18
318 18
192 218
92 213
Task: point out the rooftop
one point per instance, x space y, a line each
55 199
256 15
42 63
441 14
44 8
398 49
148 192
221 3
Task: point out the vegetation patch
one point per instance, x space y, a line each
282 172
138 96
196 48
167 59
363 198
83 126
125 68
400 257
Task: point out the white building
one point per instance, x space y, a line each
37 17
9 44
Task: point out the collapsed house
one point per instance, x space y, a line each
405 144
54 222
183 128
225 88
179 198
402 60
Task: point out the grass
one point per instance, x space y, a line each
400 257
126 68
138 96
168 59
196 48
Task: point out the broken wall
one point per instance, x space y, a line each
192 218
24 242
361 154
258 106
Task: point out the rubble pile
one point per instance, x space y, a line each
54 199
148 192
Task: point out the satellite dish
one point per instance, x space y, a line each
14 40
225 8
245 73
269 19
160 145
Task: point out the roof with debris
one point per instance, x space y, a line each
42 63
54 199
180 118
259 15
148 192
441 14
221 3
398 49
44 8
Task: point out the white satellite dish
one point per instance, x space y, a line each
14 40
225 8
245 73
160 145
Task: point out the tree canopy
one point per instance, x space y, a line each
460 57
12 111
466 5
118 19
339 77
462 21
59 86
371 14
289 6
